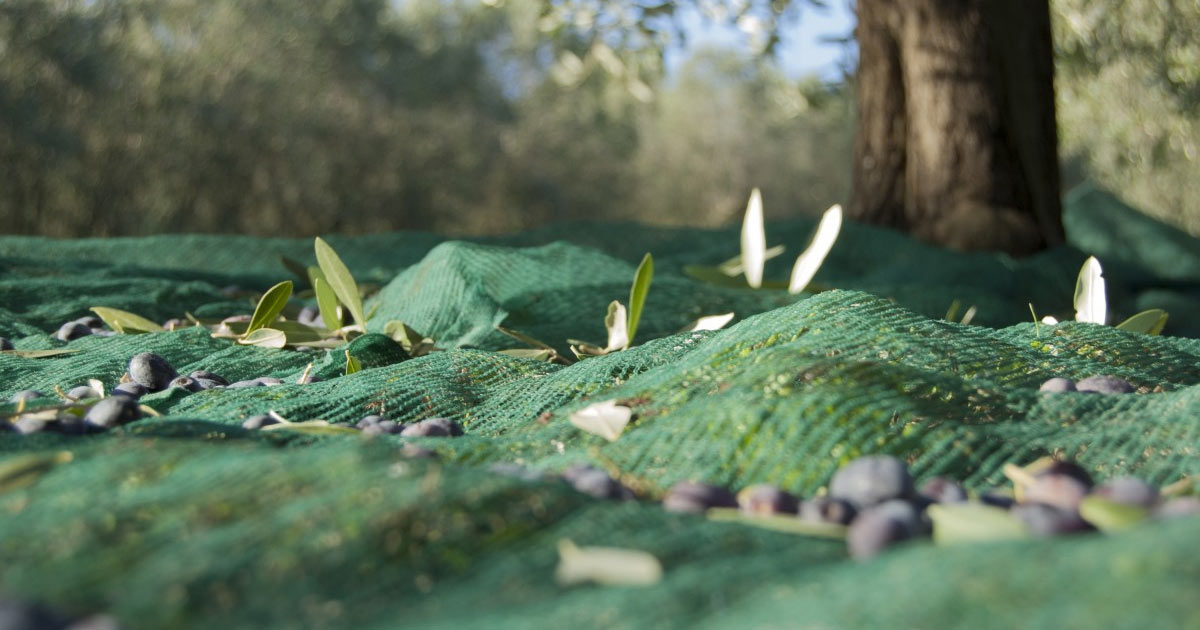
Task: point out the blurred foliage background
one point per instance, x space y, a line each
466 116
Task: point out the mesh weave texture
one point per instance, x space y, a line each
190 521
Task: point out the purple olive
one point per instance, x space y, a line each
1057 385
871 480
113 411
882 526
696 497
1129 491
152 371
1050 520
943 490
827 510
71 331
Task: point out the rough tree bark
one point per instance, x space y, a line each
957 142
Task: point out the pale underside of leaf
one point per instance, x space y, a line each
125 322
973 522
754 240
1091 304
615 322
810 260
610 566
265 338
709 322
606 419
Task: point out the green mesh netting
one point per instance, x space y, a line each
189 521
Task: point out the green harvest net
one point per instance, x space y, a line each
189 521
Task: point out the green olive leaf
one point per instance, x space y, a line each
637 295
39 354
327 303
1110 516
125 322
270 305
523 338
973 522
1150 322
340 280
536 354
352 365
779 523
403 334
265 338
312 427
298 333
313 272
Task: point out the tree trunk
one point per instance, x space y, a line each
957 142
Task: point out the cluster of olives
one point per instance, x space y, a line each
1090 385
147 372
875 497
380 425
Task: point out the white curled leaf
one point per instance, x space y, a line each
1091 305
606 419
754 241
810 260
616 321
709 322
611 566
265 338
